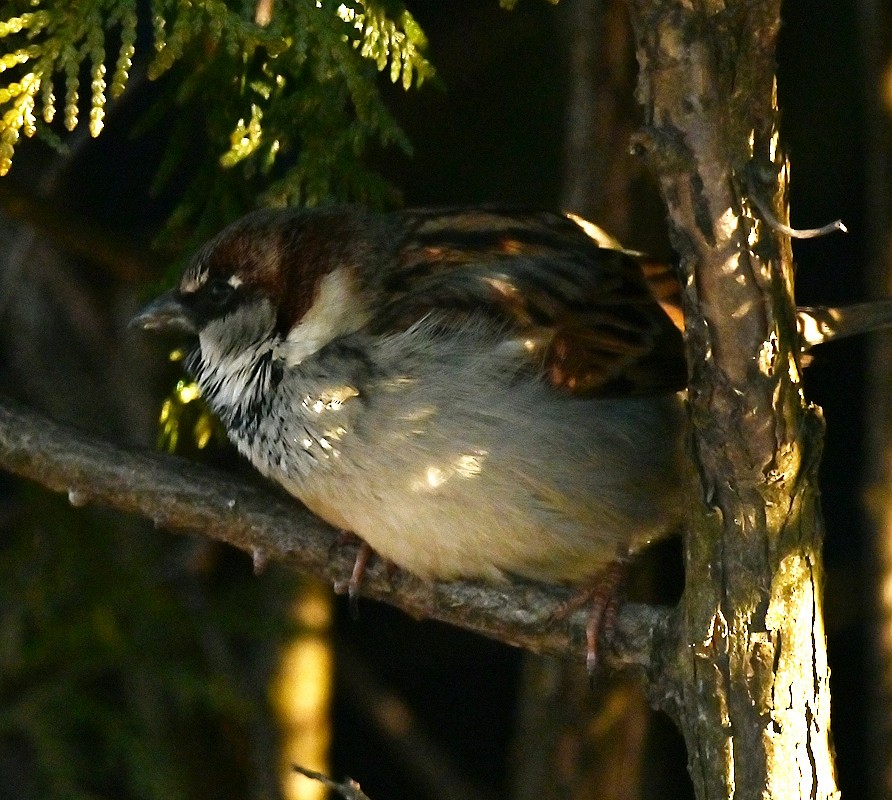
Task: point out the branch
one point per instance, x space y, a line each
348 789
749 686
255 517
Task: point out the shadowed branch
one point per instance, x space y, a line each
185 496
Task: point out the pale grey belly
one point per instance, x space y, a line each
446 492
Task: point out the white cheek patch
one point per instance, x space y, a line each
337 310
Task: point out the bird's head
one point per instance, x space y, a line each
290 275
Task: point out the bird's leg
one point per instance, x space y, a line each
358 573
351 587
353 584
603 597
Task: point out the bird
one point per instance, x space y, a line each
474 392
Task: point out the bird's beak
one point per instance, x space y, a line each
166 314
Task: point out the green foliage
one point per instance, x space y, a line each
184 413
289 87
43 40
296 101
385 41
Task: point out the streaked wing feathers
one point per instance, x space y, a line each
586 314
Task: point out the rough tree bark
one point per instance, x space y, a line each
747 679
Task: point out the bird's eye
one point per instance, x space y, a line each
219 292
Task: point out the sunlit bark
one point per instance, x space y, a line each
747 681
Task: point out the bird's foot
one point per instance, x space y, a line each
352 585
602 597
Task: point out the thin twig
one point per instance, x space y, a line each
415 751
349 789
794 233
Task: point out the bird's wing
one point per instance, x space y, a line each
587 315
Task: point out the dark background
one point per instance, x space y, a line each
494 131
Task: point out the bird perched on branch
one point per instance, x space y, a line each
475 393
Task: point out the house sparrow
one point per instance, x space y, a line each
475 393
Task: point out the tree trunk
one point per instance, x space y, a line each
747 681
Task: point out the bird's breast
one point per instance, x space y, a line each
450 463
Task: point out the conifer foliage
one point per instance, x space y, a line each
287 86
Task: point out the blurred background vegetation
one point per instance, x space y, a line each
139 664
